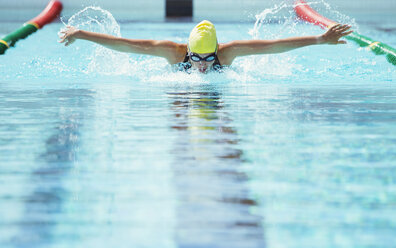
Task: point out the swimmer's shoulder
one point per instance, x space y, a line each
177 52
180 54
224 53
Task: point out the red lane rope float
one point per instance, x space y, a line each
305 12
52 10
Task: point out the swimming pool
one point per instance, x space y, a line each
102 149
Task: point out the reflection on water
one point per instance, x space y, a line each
214 203
46 194
131 167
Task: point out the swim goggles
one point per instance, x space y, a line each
196 58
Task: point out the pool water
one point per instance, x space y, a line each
102 149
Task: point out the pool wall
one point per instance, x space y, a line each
219 10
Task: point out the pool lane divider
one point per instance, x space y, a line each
305 12
52 10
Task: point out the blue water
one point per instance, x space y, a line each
102 149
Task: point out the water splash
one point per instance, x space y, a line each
282 16
101 60
272 23
95 19
268 16
331 12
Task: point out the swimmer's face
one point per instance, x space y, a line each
203 65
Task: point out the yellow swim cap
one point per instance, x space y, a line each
203 38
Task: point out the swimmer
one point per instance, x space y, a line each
203 53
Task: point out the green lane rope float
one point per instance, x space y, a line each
306 13
52 10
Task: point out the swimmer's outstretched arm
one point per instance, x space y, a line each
169 50
231 50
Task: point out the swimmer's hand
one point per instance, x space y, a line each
334 34
68 35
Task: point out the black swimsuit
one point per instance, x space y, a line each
186 65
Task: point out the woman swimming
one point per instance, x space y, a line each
203 52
